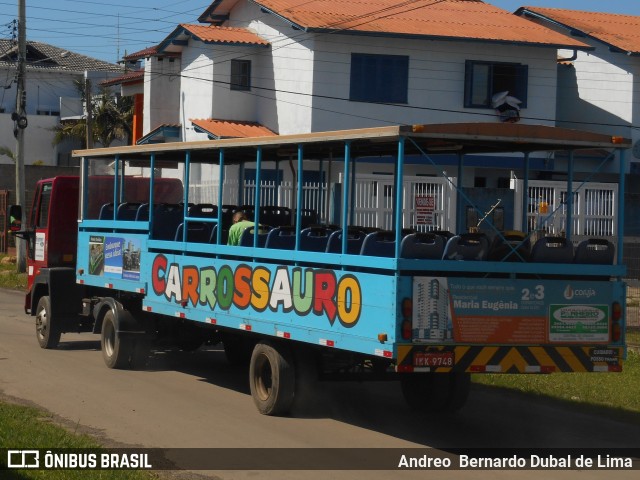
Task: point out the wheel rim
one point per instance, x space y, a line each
109 339
263 377
41 323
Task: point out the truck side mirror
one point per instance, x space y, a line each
15 218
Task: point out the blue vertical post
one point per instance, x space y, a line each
85 186
569 219
116 185
151 189
397 207
277 185
320 197
621 191
299 196
352 200
525 194
256 209
185 193
221 183
459 197
345 195
240 200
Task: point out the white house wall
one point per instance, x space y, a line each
44 92
301 84
44 89
283 77
230 104
38 139
436 82
162 93
597 92
196 97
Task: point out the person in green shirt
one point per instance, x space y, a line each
240 224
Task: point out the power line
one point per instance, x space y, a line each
386 11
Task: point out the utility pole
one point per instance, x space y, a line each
20 119
89 106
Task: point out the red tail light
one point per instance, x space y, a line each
616 332
616 312
407 333
616 317
407 308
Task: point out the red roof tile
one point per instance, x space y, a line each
131 77
621 31
232 128
147 52
452 19
213 34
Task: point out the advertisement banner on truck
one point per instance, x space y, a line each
481 310
115 257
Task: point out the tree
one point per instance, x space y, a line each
111 120
7 152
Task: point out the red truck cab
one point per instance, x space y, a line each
53 226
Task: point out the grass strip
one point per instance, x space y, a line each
24 427
9 277
618 392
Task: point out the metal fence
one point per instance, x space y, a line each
593 211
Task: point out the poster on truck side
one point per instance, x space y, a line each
115 257
505 311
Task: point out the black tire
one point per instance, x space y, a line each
436 392
272 378
117 351
47 330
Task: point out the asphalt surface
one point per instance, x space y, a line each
198 400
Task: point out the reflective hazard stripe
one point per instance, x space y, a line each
512 359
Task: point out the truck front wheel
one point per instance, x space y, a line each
116 350
272 378
47 331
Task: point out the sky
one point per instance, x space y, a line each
108 29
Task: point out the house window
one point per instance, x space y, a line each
47 111
240 74
379 78
484 79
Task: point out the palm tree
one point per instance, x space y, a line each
111 120
7 152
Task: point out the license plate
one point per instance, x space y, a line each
433 359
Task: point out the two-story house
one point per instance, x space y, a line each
285 67
52 94
599 89
300 67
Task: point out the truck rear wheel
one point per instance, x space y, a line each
436 392
47 332
272 378
116 350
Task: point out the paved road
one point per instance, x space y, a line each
198 400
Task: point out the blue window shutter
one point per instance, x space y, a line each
379 78
522 86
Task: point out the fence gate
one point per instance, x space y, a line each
429 202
